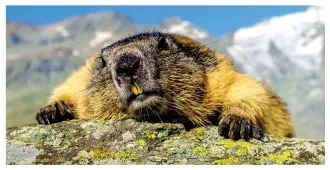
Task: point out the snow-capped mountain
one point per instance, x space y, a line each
299 37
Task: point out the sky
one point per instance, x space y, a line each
217 20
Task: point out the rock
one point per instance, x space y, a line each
133 142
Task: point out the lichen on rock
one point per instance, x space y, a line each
133 142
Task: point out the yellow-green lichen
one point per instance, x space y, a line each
150 134
241 151
286 155
200 151
102 154
243 148
226 161
161 148
169 151
104 122
228 143
125 155
280 158
141 142
204 160
198 133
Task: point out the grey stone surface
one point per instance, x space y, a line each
132 142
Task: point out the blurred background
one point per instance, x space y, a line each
282 46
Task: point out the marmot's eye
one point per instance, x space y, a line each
100 63
163 44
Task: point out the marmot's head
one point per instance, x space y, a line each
154 74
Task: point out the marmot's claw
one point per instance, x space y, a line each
54 113
234 127
44 116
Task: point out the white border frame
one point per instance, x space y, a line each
146 2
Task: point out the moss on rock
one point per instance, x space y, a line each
132 142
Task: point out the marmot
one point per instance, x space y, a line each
169 78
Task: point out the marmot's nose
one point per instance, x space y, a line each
128 65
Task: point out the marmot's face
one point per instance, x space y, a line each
152 75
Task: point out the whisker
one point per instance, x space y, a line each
160 9
156 113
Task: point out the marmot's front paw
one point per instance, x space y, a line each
54 113
235 128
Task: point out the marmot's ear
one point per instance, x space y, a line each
100 63
165 43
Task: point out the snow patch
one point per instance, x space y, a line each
76 52
295 35
62 31
99 37
186 29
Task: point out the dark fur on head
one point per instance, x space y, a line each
171 75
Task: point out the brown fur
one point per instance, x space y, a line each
236 96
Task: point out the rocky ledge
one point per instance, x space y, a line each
132 142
